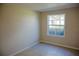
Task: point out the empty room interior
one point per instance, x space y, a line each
39 29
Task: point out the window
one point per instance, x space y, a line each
56 25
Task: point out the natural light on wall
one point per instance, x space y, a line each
56 25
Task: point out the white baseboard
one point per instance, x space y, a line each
27 47
60 45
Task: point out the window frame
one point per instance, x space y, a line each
48 25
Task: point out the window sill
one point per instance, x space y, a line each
55 36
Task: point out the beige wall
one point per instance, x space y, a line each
20 28
71 37
0 29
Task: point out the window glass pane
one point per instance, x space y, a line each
52 30
55 22
56 17
50 23
62 17
60 30
62 22
50 18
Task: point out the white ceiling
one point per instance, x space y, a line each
47 6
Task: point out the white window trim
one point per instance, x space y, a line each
48 29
